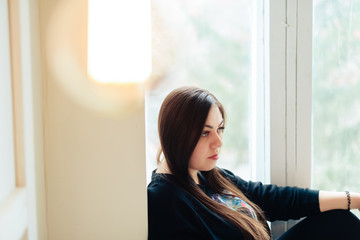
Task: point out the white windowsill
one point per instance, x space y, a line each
13 215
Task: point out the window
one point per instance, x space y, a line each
213 45
307 108
336 99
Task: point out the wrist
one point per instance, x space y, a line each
355 200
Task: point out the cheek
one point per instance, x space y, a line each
198 154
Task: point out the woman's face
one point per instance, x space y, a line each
205 154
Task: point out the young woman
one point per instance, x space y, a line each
190 198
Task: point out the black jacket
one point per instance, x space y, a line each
175 214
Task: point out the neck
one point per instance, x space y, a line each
194 175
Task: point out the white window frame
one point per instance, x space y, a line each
259 94
23 211
13 211
289 75
281 112
32 92
290 87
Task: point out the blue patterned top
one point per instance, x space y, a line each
235 203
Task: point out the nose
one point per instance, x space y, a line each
217 140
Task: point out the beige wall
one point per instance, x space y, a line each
94 160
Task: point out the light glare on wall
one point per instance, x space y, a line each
119 40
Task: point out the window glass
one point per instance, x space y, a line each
336 98
206 44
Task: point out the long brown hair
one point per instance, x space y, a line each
181 120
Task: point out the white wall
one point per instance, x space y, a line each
94 160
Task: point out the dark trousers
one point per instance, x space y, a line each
331 225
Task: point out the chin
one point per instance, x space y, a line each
209 168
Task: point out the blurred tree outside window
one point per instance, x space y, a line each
336 95
206 44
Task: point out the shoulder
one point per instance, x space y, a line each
238 181
226 173
161 184
163 192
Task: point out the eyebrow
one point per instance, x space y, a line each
211 127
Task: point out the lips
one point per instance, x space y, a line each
214 157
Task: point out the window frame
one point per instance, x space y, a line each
23 211
289 75
33 134
290 86
13 209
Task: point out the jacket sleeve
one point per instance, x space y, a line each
278 203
